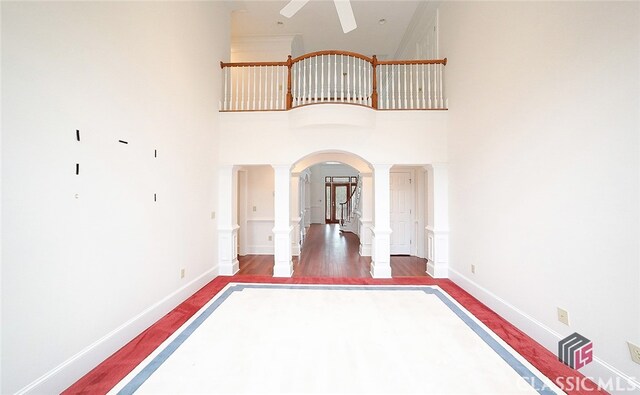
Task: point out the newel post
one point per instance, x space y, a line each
374 93
289 95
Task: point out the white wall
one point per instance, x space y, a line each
544 165
259 231
261 49
394 137
74 270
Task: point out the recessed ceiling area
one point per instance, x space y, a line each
318 25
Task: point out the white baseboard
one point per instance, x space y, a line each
259 250
544 335
68 372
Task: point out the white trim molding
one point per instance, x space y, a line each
548 338
62 376
228 251
437 253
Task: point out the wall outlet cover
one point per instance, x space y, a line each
563 316
635 352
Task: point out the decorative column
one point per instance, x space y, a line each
438 221
381 242
366 210
282 228
227 221
294 212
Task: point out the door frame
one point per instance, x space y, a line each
350 184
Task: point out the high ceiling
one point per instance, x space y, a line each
319 27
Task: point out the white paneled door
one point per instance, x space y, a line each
401 211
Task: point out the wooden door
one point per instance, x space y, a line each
334 195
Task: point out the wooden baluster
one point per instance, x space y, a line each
237 94
424 103
429 86
226 73
278 88
335 77
300 74
289 102
367 81
341 78
310 66
266 87
359 63
328 78
440 67
259 97
315 84
303 76
242 73
374 83
393 88
387 87
283 74
322 96
348 94
355 82
410 85
404 69
273 80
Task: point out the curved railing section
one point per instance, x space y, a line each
334 77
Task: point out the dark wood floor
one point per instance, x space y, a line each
327 252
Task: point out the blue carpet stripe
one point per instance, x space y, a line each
532 379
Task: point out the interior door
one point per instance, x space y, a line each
401 212
334 195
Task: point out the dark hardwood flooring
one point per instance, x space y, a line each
327 252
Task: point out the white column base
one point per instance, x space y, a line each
365 237
381 257
437 253
296 236
228 264
283 265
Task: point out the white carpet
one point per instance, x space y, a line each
334 339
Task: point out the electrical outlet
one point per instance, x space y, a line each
181 273
213 215
473 269
635 352
254 209
270 238
563 316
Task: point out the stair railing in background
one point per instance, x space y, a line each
334 77
349 207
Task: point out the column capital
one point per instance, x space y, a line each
381 167
281 167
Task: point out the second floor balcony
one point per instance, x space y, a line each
334 77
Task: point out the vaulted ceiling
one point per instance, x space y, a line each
318 25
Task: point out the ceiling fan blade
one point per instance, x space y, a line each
294 6
345 13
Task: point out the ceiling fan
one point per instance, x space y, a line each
345 12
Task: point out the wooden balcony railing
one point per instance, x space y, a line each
334 77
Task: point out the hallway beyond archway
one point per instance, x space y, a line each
327 252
